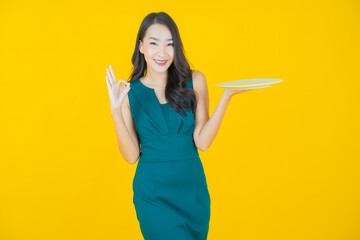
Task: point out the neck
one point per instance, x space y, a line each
158 80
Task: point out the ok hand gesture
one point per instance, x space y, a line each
117 93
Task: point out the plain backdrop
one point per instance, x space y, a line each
284 165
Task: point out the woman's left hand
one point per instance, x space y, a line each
231 92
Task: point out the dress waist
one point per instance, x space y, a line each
170 147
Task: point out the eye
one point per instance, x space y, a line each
171 44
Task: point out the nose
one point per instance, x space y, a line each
162 51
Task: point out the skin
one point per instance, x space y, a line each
161 49
206 128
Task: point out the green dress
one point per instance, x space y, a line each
171 196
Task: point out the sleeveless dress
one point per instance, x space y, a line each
171 196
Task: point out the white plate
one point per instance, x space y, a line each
250 87
249 83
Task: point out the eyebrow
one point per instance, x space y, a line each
158 39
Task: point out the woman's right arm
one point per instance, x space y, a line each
126 133
120 111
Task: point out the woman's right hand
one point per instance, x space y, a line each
117 93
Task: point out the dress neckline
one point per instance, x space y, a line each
153 90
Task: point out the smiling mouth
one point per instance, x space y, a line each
161 63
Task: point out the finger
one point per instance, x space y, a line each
112 80
112 71
127 89
120 87
115 87
123 81
108 83
119 92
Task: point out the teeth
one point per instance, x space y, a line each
160 61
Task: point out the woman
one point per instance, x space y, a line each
165 109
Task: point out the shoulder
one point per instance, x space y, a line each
199 80
196 74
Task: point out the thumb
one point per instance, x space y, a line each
127 89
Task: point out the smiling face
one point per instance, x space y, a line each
157 45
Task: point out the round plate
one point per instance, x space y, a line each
249 83
250 87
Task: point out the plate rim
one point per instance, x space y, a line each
274 80
252 86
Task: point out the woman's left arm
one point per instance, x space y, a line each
206 128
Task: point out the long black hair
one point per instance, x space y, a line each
179 73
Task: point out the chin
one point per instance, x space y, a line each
160 69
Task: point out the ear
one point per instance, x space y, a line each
140 47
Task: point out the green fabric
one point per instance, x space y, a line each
171 196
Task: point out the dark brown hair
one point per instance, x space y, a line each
179 73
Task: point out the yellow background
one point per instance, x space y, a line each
284 165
